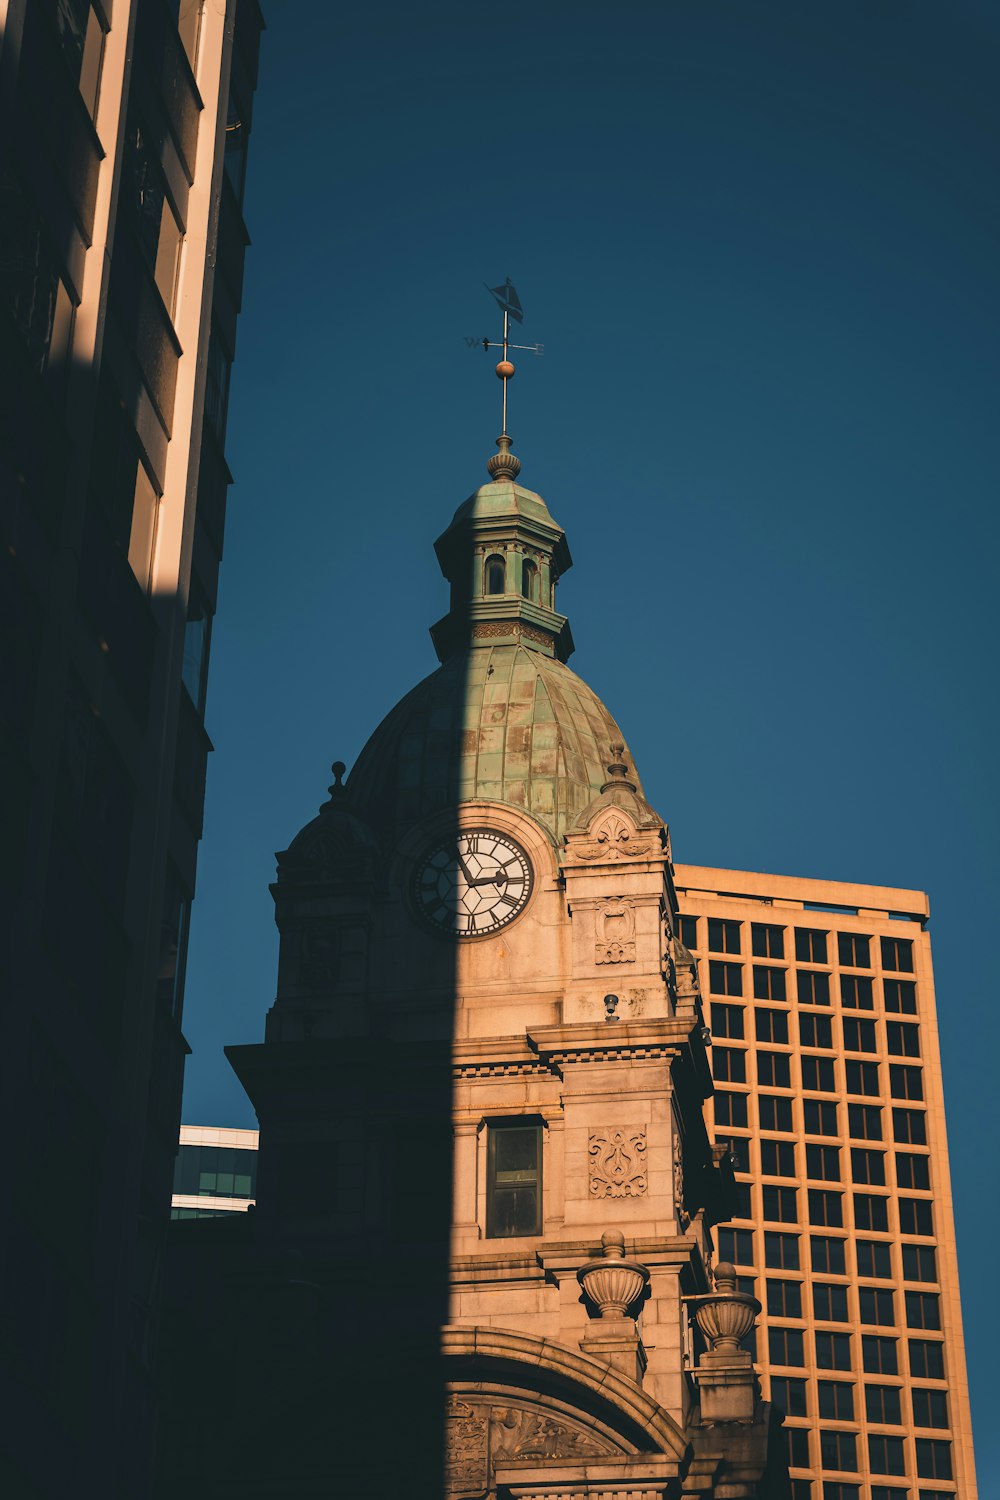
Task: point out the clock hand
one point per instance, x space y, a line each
465 868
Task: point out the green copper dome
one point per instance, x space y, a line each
498 723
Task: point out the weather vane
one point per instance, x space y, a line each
509 304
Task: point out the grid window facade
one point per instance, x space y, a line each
841 1055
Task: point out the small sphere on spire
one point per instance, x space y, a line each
505 370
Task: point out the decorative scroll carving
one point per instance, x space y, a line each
618 1162
613 837
615 924
481 1434
682 1214
467 1461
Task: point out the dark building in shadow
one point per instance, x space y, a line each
478 1260
124 135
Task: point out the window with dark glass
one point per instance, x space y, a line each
912 1171
820 1117
785 1347
774 1112
768 984
727 1020
902 1038
926 1359
836 1400
814 988
874 1258
862 1077
897 954
823 1163
767 941
729 1064
817 1073
838 1450
909 1126
514 1180
882 1405
930 1408
900 996
826 1208
496 575
868 1166
217 372
739 1148
922 1310
885 1454
789 1393
878 1355
736 1245
780 1205
856 992
859 1036
197 640
871 1211
215 1172
730 1109
725 979
529 580
688 927
815 1031
777 1158
774 1070
833 1489
743 1203
876 1305
890 1492
781 1251
828 1255
915 1216
771 1025
723 936
905 1082
829 1302
933 1459
852 949
919 1263
784 1299
797 1446
864 1122
810 945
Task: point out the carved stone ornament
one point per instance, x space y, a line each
683 1216
618 1162
613 837
725 1316
612 1282
481 1433
615 924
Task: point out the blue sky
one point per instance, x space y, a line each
760 246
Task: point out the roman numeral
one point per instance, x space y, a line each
508 900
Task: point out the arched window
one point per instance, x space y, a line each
495 575
529 579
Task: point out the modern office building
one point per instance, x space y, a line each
215 1172
125 126
828 1086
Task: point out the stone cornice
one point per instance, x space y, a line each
601 1041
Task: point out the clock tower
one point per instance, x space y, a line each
479 1262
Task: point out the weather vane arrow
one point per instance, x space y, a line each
504 465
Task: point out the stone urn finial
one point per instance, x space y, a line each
725 1316
612 1282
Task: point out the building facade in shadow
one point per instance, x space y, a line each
124 134
477 1264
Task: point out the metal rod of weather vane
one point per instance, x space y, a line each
506 321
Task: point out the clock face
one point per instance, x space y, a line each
472 883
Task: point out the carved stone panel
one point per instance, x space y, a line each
614 837
481 1432
615 926
618 1162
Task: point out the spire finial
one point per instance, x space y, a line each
504 465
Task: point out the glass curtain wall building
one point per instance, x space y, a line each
124 140
828 1089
